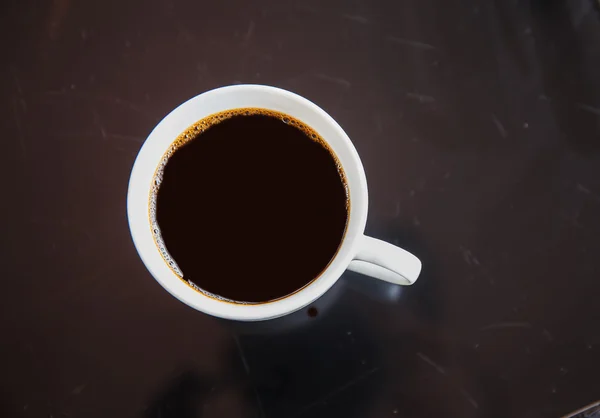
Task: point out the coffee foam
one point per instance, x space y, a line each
193 132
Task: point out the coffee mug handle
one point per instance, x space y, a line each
384 261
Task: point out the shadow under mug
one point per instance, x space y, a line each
357 252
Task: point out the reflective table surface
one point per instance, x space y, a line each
478 123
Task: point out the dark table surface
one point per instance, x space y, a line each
478 123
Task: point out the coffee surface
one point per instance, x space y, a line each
251 205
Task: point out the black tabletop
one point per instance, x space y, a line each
478 123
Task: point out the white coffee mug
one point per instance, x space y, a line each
357 252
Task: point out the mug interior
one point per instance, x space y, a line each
215 101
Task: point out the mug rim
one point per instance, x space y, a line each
199 107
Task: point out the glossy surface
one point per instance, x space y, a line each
478 124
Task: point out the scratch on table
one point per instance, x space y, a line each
410 42
547 334
499 126
125 103
468 256
588 108
242 355
357 18
337 391
572 219
505 325
249 32
99 123
378 122
20 136
16 80
247 369
97 97
421 97
469 398
433 364
78 390
23 104
336 80
79 135
136 139
259 403
585 190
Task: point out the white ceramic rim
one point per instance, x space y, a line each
225 98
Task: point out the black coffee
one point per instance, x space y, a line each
251 205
